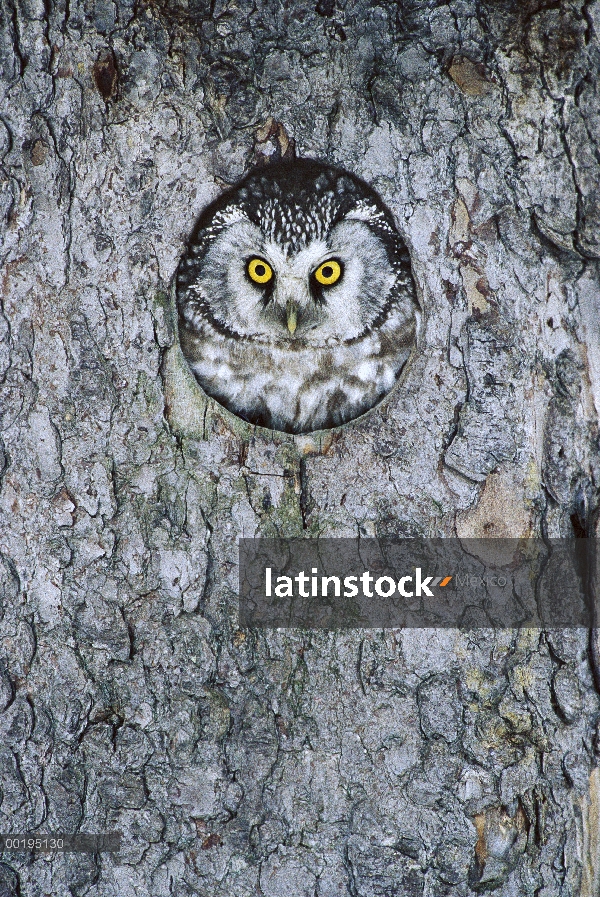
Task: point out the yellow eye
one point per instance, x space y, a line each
328 273
259 271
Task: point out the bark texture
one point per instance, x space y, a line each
312 764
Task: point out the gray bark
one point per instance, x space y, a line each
364 763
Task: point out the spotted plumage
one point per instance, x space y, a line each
297 306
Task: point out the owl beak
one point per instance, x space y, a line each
292 316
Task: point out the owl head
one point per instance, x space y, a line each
299 252
296 301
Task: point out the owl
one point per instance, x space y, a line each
296 302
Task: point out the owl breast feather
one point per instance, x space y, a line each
294 387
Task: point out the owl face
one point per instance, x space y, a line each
291 294
333 288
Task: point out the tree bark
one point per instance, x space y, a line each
368 762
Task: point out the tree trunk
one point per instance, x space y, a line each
238 762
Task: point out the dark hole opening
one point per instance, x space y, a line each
578 527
